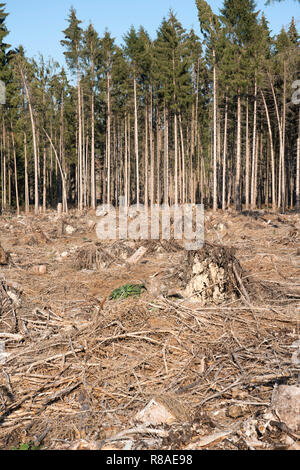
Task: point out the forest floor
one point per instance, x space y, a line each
77 368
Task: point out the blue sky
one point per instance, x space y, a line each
38 25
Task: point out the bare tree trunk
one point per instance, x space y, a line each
151 149
44 179
224 155
283 136
298 167
93 174
129 160
166 155
80 166
35 150
9 173
146 158
84 169
26 176
247 195
215 195
176 157
271 150
126 162
108 145
192 152
183 161
4 195
238 206
16 172
281 158
63 176
136 143
253 199
158 150
254 185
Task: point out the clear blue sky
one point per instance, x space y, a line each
38 25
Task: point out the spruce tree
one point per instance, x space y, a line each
73 54
3 45
240 21
210 28
173 86
91 51
106 60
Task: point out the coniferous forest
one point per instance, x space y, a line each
209 116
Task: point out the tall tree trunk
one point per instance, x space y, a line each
158 150
176 157
44 179
152 186
281 157
166 155
146 158
93 174
108 143
84 172
63 176
283 136
271 150
62 143
192 154
35 150
225 155
129 161
238 206
183 161
4 195
253 199
126 162
247 175
26 176
215 195
16 172
136 142
298 167
254 183
80 162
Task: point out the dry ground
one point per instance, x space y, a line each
80 366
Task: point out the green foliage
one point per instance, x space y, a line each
73 41
172 63
127 290
293 33
209 22
3 33
24 446
241 39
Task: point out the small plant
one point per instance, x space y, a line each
24 446
127 290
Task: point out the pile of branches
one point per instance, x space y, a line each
67 378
